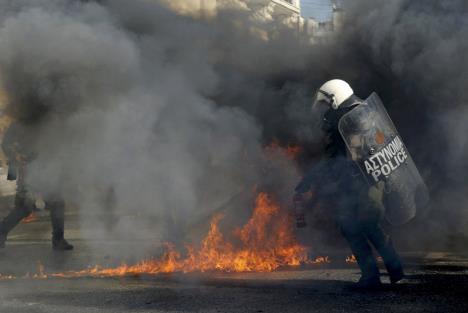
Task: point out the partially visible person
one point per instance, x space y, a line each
18 146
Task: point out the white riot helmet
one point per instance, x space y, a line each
333 93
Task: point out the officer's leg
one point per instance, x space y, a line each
383 244
362 251
23 207
57 217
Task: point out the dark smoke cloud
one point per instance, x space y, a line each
121 101
172 112
413 53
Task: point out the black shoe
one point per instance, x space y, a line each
371 283
61 245
396 275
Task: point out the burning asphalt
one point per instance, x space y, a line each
173 142
435 283
37 279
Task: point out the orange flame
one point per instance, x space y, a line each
31 218
292 152
266 242
320 260
351 259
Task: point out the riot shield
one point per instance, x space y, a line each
375 145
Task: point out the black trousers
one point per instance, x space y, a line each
24 205
360 236
22 209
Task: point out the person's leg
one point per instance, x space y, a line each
363 253
347 209
22 208
57 217
383 244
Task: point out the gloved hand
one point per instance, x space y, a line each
299 210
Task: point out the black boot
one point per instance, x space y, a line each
396 275
60 244
368 283
57 216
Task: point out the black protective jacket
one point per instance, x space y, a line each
335 179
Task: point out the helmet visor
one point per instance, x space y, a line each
319 107
321 101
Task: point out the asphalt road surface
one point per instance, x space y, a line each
436 282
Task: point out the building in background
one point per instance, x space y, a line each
337 16
288 12
280 7
320 31
284 10
192 7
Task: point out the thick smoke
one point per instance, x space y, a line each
141 111
412 52
121 101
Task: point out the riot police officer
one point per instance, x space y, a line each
18 146
338 179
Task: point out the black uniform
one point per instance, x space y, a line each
18 145
338 182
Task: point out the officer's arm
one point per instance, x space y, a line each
309 184
310 181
